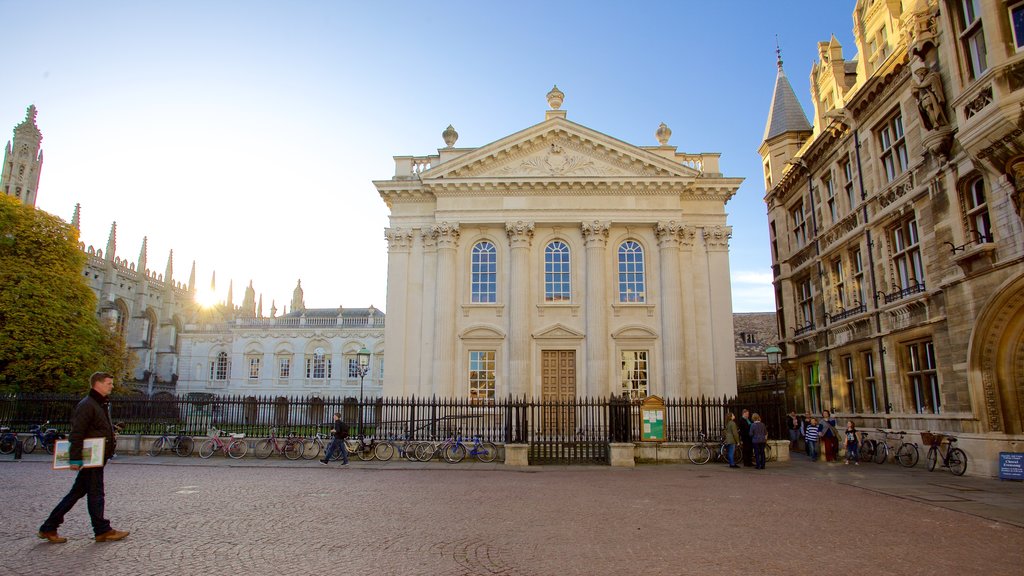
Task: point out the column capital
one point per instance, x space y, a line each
717 237
428 239
595 233
399 240
668 233
446 234
519 233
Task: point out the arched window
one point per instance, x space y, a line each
977 221
557 285
219 367
317 365
632 286
484 287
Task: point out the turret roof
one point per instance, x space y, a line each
785 114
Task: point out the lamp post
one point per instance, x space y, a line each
362 367
774 356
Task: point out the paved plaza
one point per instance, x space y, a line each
275 517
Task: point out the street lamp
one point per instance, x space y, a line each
362 367
774 356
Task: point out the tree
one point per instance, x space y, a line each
50 337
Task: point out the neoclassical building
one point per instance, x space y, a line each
896 221
558 262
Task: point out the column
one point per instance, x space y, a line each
668 234
394 331
691 373
447 236
722 337
424 363
519 236
595 236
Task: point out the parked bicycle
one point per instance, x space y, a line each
42 436
235 448
405 447
906 453
866 448
360 447
290 446
700 453
952 457
315 444
7 440
181 444
481 450
427 450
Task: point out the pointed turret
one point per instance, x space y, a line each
273 308
231 295
192 278
169 271
249 302
76 218
259 307
23 161
213 282
142 258
111 243
298 304
786 130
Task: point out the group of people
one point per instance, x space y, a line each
750 432
824 432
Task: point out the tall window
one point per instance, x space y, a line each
484 288
284 367
979 225
557 286
851 197
353 368
806 296
219 367
813 387
481 374
858 276
830 198
972 37
318 366
254 368
906 257
799 225
923 378
894 147
631 272
839 281
634 375
869 381
851 385
1017 25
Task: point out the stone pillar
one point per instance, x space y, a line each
703 366
668 234
447 236
721 336
424 361
519 236
399 242
595 236
691 386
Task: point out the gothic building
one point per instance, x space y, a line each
559 262
895 222
23 161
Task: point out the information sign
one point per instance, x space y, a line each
652 411
1011 465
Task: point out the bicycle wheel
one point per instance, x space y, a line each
207 448
409 451
454 452
293 449
264 448
699 454
486 452
7 444
157 446
366 452
881 453
52 444
310 449
237 449
867 450
184 446
932 458
957 461
29 445
425 451
907 455
384 451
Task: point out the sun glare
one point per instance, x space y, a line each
206 298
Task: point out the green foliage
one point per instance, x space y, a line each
50 336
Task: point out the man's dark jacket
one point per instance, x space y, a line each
340 430
92 420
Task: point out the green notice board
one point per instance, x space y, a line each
653 419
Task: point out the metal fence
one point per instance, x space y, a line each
570 425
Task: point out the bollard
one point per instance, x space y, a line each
19 449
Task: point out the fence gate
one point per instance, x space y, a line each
565 430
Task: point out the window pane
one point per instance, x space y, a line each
632 286
484 278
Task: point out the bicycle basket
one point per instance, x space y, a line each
932 438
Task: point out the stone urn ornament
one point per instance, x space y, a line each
450 136
663 134
555 98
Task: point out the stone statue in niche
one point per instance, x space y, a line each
931 100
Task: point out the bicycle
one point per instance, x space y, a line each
290 446
426 451
405 447
953 458
906 453
47 439
482 450
315 444
700 453
7 440
181 444
866 448
236 448
359 446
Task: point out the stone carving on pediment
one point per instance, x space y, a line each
559 160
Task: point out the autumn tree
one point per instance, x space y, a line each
50 336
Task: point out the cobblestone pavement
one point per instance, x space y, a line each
280 518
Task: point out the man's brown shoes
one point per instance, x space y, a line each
111 535
52 537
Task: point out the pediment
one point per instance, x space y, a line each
634 331
558 149
558 331
482 332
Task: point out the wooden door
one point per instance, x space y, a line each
558 391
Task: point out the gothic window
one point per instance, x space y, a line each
484 286
922 378
830 198
858 276
906 259
806 301
219 367
632 283
894 147
851 388
634 374
482 374
869 381
851 198
813 387
799 223
972 37
557 286
839 282
977 222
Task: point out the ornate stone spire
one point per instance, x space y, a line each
249 301
169 271
298 304
259 307
111 242
231 295
450 136
273 308
142 258
192 278
213 282
76 218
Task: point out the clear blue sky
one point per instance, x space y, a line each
245 135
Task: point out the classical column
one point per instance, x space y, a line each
519 236
691 373
668 234
424 363
399 241
447 236
595 236
722 338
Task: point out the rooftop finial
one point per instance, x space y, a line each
30 114
555 98
778 51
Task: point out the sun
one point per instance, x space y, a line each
206 298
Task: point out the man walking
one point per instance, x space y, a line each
340 433
90 420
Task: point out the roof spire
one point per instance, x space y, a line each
778 52
76 219
111 242
169 271
192 278
142 258
785 113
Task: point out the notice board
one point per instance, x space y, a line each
652 411
1011 465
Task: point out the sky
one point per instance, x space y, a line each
245 135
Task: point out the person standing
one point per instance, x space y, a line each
794 430
340 433
759 437
744 426
811 434
829 436
91 419
732 438
852 445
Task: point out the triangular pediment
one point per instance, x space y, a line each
558 331
558 149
